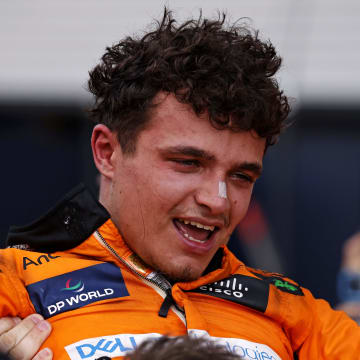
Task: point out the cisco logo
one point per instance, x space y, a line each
241 289
229 287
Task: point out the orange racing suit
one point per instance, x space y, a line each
102 300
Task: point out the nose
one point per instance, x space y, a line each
212 195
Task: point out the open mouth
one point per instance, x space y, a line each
195 231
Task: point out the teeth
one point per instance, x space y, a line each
198 225
193 239
199 241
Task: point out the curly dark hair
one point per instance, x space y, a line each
222 70
180 348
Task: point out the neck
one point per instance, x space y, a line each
104 193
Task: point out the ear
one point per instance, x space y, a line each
104 146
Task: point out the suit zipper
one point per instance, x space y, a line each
156 279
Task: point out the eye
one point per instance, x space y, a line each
185 165
240 176
187 162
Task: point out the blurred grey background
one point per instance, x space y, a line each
310 192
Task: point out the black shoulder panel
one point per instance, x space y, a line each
280 283
241 289
65 226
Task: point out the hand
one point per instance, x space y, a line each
21 339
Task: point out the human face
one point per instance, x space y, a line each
177 175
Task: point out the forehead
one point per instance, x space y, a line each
175 124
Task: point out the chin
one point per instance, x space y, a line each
178 270
183 274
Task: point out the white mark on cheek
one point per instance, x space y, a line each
222 190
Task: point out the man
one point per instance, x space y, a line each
184 116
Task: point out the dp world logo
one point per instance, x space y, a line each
75 288
68 291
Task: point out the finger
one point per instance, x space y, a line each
31 342
44 354
7 323
10 338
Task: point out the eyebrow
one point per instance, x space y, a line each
189 151
254 167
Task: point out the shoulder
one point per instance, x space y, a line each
280 281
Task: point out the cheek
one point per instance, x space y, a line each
154 197
169 187
239 208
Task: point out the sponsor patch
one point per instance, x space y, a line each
42 259
241 289
118 345
76 289
246 350
111 346
281 284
